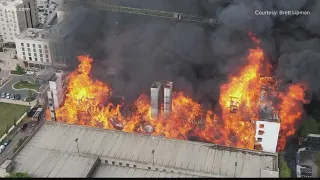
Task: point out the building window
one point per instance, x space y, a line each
41 59
36 59
23 53
35 54
261 126
113 162
45 47
22 49
39 45
120 164
28 45
28 49
29 54
47 56
259 139
40 55
34 50
47 60
46 51
24 58
261 132
33 45
40 50
21 44
30 58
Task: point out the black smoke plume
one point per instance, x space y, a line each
132 51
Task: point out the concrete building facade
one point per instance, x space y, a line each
155 99
39 48
16 16
56 93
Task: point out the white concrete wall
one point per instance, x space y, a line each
38 52
270 137
155 104
168 99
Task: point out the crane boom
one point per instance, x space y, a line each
157 13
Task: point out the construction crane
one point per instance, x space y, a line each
157 13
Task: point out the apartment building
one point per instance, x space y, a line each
15 17
39 48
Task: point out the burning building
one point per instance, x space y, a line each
56 92
250 112
168 99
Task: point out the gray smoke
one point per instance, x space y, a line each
196 57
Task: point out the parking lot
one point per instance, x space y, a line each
7 87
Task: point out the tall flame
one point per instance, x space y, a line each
87 102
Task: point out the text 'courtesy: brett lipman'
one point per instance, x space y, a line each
281 13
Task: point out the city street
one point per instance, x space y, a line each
16 135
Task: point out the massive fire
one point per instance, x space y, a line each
87 103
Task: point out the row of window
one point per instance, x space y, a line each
34 46
34 50
35 59
35 54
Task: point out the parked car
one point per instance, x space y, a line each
3 95
2 147
8 95
12 96
17 97
7 142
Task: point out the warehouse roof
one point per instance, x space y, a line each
55 142
111 171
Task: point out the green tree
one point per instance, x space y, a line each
309 126
18 175
19 69
285 172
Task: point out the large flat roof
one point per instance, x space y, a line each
112 171
55 144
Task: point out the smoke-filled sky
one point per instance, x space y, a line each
197 57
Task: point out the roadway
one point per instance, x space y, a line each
15 135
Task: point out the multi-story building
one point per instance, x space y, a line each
56 92
268 126
45 47
15 17
33 48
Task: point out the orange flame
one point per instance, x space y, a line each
87 103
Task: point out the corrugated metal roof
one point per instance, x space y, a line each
182 157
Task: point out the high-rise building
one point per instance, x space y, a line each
15 17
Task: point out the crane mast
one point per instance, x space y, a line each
157 13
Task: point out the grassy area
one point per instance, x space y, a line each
17 72
26 85
9 113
